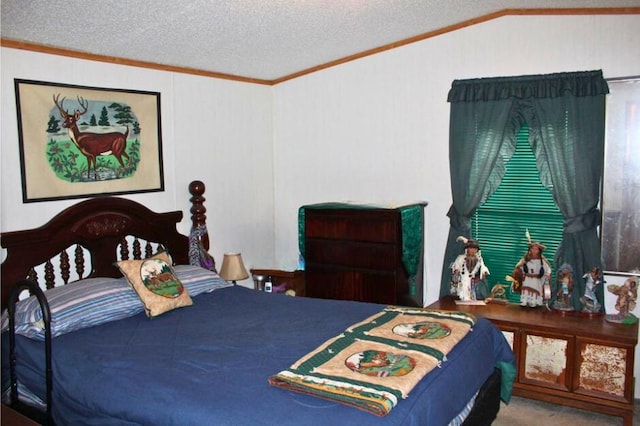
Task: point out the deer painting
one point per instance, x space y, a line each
92 145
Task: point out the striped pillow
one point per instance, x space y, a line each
198 280
95 301
77 305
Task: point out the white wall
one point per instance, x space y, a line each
377 129
213 130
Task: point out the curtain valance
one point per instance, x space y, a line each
579 84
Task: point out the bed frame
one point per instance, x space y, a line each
111 229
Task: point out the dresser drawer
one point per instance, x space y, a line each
344 284
366 225
374 256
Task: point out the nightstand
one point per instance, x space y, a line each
293 279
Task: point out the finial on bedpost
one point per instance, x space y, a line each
198 210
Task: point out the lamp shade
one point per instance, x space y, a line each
233 268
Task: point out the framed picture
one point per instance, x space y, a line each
612 283
78 141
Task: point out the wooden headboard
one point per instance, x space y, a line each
86 239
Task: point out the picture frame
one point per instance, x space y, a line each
80 141
617 279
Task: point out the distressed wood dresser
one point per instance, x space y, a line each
575 360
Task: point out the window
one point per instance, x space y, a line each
621 183
568 112
519 203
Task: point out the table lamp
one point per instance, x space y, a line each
233 268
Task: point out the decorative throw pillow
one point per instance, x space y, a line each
156 283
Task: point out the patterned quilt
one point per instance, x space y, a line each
375 363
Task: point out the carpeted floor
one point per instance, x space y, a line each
524 412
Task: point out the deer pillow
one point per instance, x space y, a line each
156 284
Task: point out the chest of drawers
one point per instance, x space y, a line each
364 253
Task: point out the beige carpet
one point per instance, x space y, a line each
525 412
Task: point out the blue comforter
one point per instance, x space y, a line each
209 364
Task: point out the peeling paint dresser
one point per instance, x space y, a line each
575 360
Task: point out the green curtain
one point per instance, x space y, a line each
569 148
565 114
481 142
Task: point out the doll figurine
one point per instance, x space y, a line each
468 272
564 289
532 275
589 301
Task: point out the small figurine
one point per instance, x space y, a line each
498 294
531 276
564 289
589 301
627 294
468 272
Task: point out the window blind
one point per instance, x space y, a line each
519 203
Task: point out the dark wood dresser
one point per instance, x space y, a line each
364 253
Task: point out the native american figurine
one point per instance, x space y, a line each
589 301
564 288
531 276
468 272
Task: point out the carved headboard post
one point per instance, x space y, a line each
198 210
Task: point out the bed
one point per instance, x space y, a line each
215 360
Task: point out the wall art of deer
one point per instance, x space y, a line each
92 145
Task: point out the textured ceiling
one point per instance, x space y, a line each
256 39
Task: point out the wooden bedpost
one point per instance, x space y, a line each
198 210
